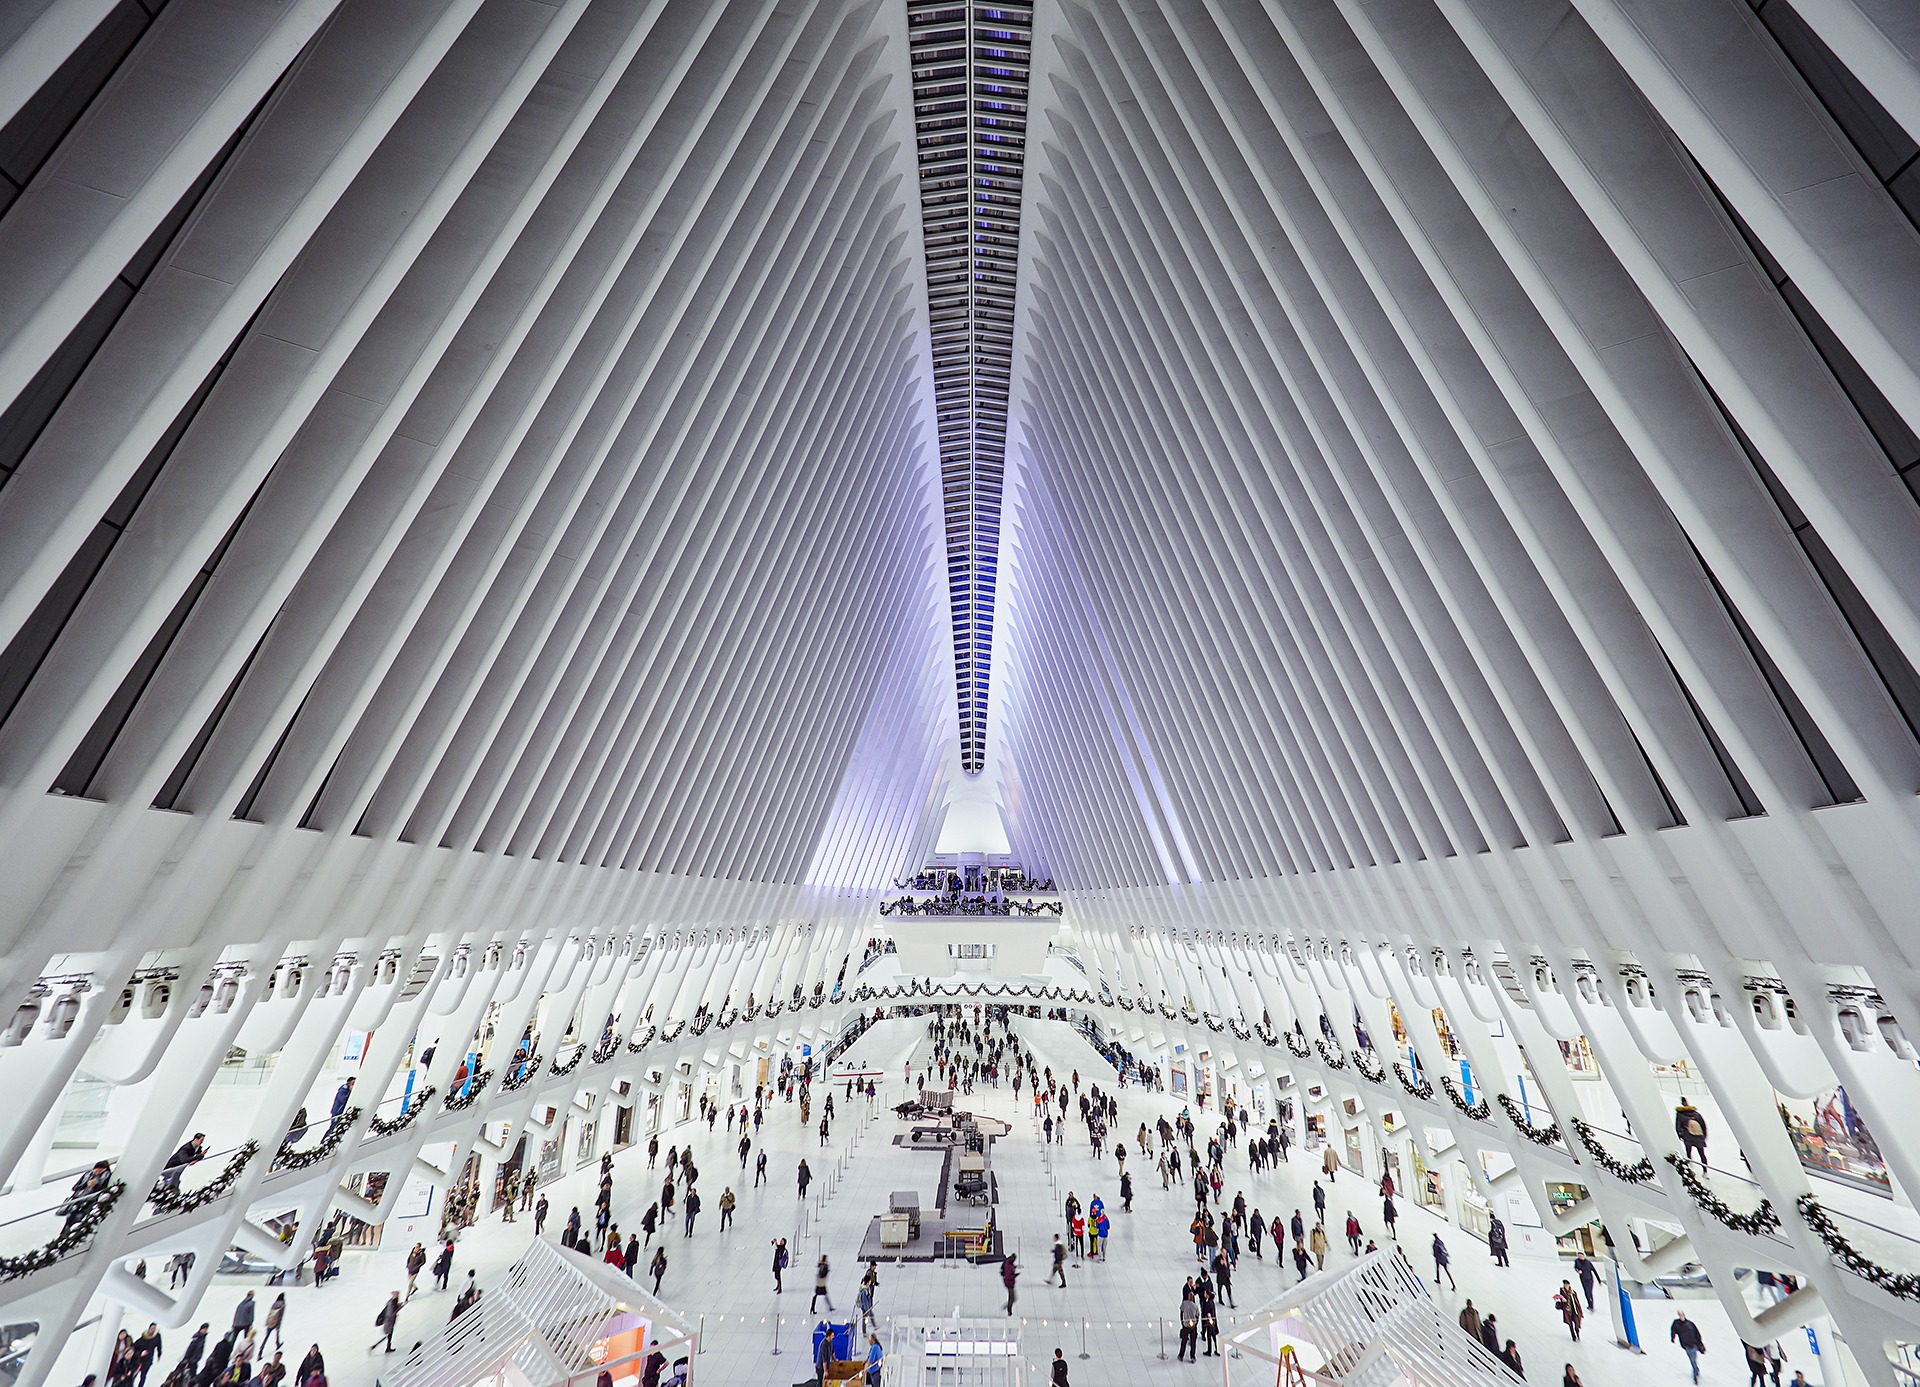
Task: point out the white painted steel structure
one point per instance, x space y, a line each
471 553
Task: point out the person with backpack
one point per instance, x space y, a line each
658 1266
1690 1125
779 1263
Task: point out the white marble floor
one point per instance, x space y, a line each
1117 1308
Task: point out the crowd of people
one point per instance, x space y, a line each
966 1049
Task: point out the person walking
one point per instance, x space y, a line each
1571 1313
275 1313
1442 1264
1690 1125
658 1266
1392 1216
540 1213
1059 1261
1686 1333
386 1322
804 1177
820 1272
727 1202
1317 1244
1470 1319
1497 1240
243 1314
1353 1233
443 1265
1330 1163
693 1208
416 1263
1584 1268
146 1352
194 1349
1059 1378
1008 1275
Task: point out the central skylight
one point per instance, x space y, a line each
970 62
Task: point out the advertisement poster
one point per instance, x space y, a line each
1831 1139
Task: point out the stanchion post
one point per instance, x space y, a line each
1083 1340
1163 1338
776 1338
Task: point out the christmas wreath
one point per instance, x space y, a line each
1423 1089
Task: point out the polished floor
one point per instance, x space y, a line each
1115 1311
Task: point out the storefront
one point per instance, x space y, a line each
1563 1196
1832 1139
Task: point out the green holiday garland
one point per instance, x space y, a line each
1480 1111
1904 1284
289 1159
417 1104
74 1237
1548 1135
170 1199
1761 1220
1638 1173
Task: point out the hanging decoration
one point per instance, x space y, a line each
1904 1284
1548 1135
76 1236
1761 1220
1638 1173
171 1199
289 1159
456 1102
386 1127
528 1070
1479 1112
